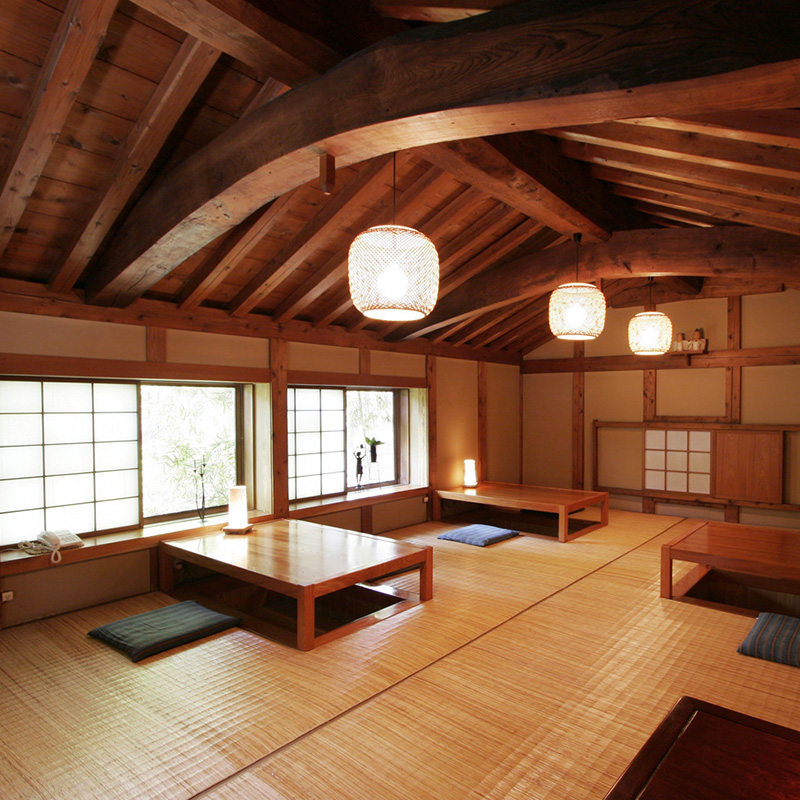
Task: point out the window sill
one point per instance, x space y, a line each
355 499
14 562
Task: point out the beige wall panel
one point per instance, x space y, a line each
769 517
349 519
398 514
623 502
771 320
693 512
72 586
322 358
547 429
610 397
771 395
613 341
194 347
555 348
456 417
690 393
502 423
55 336
403 365
620 462
709 315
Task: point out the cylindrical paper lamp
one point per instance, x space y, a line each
470 474
237 510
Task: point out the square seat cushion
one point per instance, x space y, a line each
153 632
774 637
480 535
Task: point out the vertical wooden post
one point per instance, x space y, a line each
279 370
156 344
364 366
733 375
578 427
521 465
648 415
367 524
435 511
327 173
483 438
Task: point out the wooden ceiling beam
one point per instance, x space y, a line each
75 44
734 181
335 268
336 212
436 10
527 172
232 251
629 296
418 94
249 34
183 78
734 251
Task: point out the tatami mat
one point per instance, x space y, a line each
537 670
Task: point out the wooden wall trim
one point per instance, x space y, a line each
733 374
483 422
68 366
156 344
649 394
578 421
310 378
434 501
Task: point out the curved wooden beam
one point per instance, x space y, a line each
732 252
512 69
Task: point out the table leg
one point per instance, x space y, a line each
666 571
563 525
166 578
305 618
604 511
426 576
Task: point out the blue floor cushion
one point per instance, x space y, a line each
153 632
774 637
479 535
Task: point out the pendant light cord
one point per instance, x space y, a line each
576 237
394 188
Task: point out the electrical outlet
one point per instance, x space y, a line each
6 596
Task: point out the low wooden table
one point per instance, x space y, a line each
534 498
750 549
302 560
705 752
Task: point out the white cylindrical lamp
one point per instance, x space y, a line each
470 472
238 521
650 333
577 311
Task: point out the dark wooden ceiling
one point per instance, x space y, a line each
165 161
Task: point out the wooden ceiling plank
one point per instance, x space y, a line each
735 181
778 162
420 94
236 246
335 268
186 73
736 251
467 329
529 174
336 212
435 10
77 39
249 34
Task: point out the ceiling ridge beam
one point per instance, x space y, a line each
335 213
77 39
187 71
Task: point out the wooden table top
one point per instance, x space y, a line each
296 552
733 545
515 495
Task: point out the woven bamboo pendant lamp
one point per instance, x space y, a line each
393 271
650 332
577 310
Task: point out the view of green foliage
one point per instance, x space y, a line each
182 427
370 418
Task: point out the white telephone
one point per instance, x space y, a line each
58 540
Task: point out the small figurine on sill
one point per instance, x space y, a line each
359 453
680 343
698 343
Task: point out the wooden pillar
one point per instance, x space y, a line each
434 502
156 344
364 366
578 427
733 375
367 524
649 395
279 370
483 438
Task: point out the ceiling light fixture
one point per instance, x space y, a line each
650 332
577 310
393 270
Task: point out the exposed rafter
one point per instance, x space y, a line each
415 100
